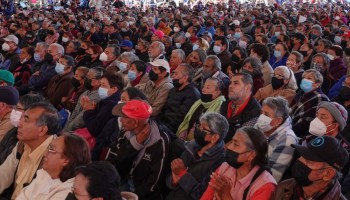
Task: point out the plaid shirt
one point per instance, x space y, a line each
280 152
303 110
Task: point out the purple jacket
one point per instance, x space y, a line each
337 68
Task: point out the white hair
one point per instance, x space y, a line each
289 75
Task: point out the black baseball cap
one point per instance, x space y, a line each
324 149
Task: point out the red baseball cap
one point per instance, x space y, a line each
134 109
346 34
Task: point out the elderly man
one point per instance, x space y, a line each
242 109
8 100
109 56
315 173
40 79
156 51
36 129
275 123
6 78
305 102
177 57
158 86
181 97
39 56
181 42
212 68
142 146
10 57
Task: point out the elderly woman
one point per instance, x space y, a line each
262 52
177 57
190 173
321 62
202 44
275 123
253 66
142 50
196 60
211 100
295 63
246 163
55 179
283 84
137 73
304 104
280 55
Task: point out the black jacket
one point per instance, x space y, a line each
193 184
142 164
177 106
187 47
7 144
96 119
250 112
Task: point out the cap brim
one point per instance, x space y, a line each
117 110
305 152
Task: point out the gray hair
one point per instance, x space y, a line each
326 61
60 48
247 79
179 35
255 63
316 74
279 105
98 71
216 60
187 71
318 28
299 57
288 75
180 53
161 47
131 57
44 45
217 123
49 117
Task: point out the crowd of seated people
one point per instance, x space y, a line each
227 101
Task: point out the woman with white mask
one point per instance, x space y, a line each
275 123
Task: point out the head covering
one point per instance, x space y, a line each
338 112
134 109
126 43
7 76
159 33
9 95
324 149
161 63
11 38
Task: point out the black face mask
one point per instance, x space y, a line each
144 29
88 57
343 44
176 83
345 93
75 83
71 196
231 159
278 41
48 58
277 83
199 137
81 51
235 58
304 53
300 173
206 97
208 24
195 65
326 33
347 51
87 84
152 76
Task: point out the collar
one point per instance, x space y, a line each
38 152
232 107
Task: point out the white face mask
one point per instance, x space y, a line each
103 57
187 35
64 39
176 29
103 92
317 127
5 47
263 123
15 116
217 49
242 43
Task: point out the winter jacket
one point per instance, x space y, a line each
142 164
7 144
194 182
247 117
268 91
274 63
156 96
96 119
337 69
10 60
40 81
58 87
177 105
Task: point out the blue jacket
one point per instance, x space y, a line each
39 82
204 29
275 64
335 89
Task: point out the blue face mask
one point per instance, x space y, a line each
337 39
237 35
306 85
122 66
102 92
277 54
37 57
59 68
132 75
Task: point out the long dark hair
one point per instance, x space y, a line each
77 151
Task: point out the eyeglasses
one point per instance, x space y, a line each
206 131
52 151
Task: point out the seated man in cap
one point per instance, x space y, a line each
158 86
10 58
6 78
8 100
141 150
315 173
126 46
